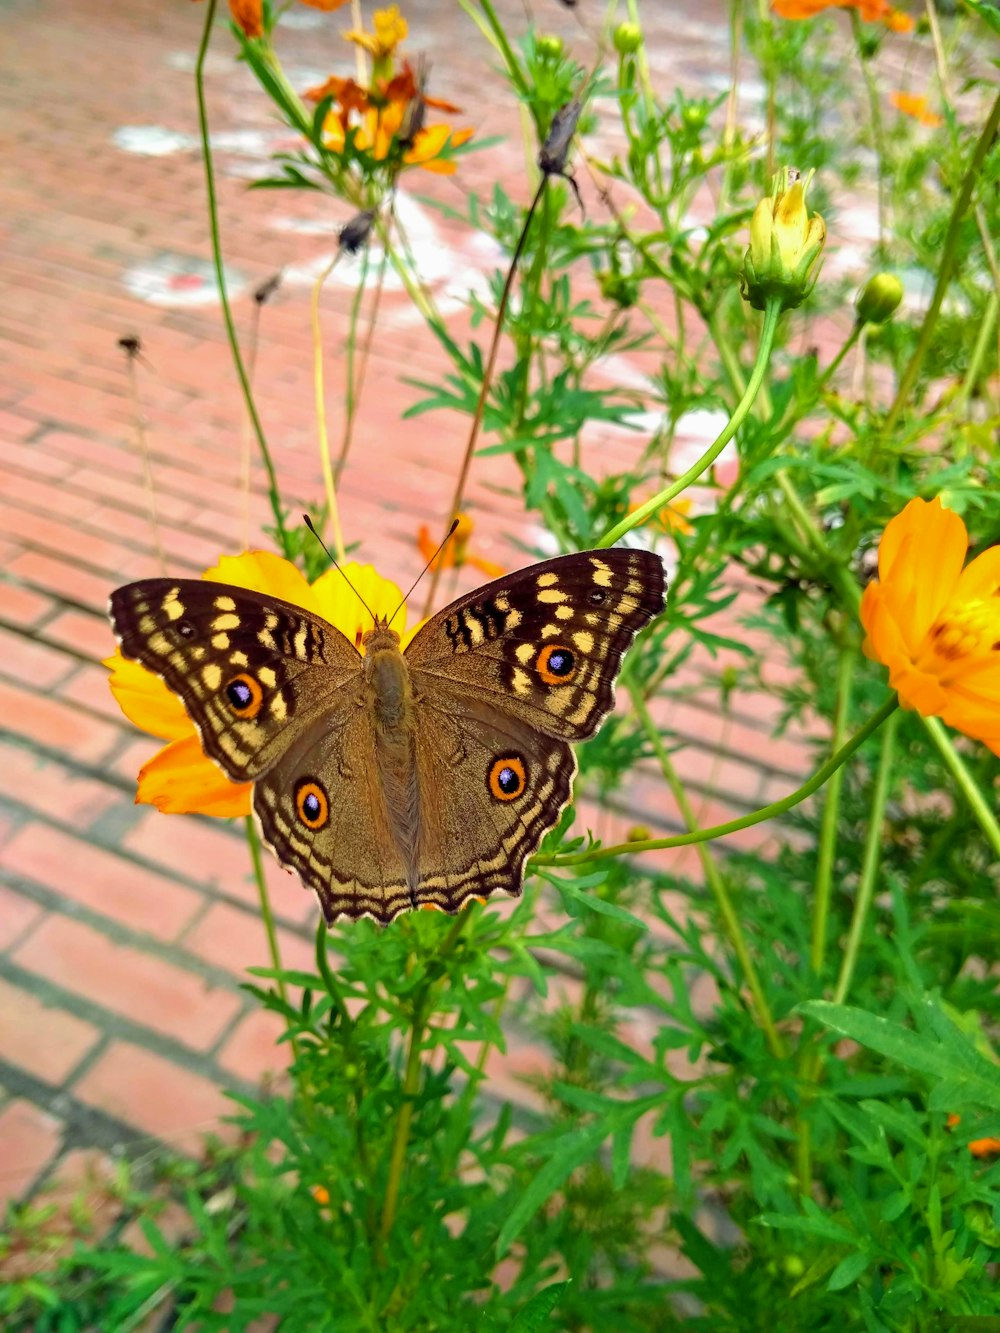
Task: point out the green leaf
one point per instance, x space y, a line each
989 14
533 1315
573 1152
848 1271
951 1058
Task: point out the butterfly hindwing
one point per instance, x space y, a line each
251 671
547 642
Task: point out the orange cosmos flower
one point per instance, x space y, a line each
390 28
935 625
248 15
985 1147
870 11
180 778
456 553
916 106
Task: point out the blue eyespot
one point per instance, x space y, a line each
239 694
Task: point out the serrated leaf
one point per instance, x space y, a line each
533 1315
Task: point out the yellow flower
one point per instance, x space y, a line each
390 29
935 625
782 260
378 130
180 778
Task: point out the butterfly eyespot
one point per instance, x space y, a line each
245 695
596 596
311 804
507 777
556 664
185 629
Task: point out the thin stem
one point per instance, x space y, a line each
965 782
875 111
945 265
463 476
717 884
357 384
411 1086
147 465
827 850
771 811
220 277
662 498
870 862
321 432
264 898
834 365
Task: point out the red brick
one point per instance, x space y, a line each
22 606
26 659
56 725
138 897
214 857
253 1051
31 779
17 915
30 1138
89 687
233 939
34 458
63 578
155 1096
83 633
141 987
47 1041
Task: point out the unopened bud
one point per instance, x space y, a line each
878 298
627 38
638 833
354 234
782 260
549 46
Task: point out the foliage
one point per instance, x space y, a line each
752 1068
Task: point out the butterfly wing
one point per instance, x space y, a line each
251 671
544 644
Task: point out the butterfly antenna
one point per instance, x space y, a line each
447 538
309 524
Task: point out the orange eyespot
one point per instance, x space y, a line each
311 804
556 664
245 695
507 777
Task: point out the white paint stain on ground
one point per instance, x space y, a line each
179 280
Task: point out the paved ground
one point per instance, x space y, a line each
123 933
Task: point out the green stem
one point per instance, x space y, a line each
874 108
771 811
411 1086
663 498
834 365
220 277
264 898
717 884
870 862
831 811
965 782
945 265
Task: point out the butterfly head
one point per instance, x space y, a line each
380 638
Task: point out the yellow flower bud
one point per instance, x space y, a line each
638 833
878 298
782 260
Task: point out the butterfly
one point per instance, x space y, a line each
389 780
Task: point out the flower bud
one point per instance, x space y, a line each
549 46
878 298
627 38
638 833
782 260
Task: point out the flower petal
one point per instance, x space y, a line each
145 699
264 572
343 603
180 780
920 559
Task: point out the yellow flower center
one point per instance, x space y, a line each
961 636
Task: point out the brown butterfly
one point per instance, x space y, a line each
393 779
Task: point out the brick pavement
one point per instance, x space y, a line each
124 933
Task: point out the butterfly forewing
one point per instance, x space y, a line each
251 671
545 643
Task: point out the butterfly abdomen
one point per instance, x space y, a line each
391 700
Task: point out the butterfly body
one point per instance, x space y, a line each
389 779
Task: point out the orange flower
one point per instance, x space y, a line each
985 1147
390 28
380 126
935 625
321 1194
248 15
455 554
911 104
870 11
180 778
